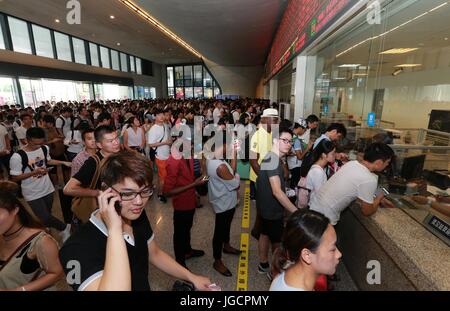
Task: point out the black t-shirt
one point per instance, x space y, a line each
87 172
87 246
268 206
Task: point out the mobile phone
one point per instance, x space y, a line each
117 204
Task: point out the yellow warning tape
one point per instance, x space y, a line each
242 281
243 264
246 209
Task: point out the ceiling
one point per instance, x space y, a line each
227 32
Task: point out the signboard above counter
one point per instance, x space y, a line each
302 22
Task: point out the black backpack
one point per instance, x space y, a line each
24 159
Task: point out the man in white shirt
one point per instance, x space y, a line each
159 138
21 131
37 188
355 180
64 121
217 113
312 122
334 132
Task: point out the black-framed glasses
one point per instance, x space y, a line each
287 141
131 195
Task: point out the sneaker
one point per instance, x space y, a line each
65 234
262 270
194 253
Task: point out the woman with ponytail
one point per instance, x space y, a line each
308 249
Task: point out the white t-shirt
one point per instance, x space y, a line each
353 181
306 136
279 285
74 148
3 133
318 140
67 124
156 133
21 133
33 188
236 116
216 115
315 179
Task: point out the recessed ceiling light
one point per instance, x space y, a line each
349 65
399 51
446 39
57 20
112 17
118 43
408 65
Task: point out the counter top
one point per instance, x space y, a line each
423 257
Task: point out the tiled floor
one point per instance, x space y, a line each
160 216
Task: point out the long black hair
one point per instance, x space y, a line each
9 201
324 146
304 229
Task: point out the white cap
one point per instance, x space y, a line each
270 112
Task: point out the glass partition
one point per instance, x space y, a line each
104 54
79 51
93 49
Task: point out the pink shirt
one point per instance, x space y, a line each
78 161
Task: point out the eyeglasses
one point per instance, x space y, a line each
129 196
286 141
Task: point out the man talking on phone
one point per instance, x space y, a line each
29 166
115 247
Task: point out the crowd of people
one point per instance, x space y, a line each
101 156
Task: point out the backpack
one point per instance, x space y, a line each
24 160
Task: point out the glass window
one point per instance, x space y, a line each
180 93
208 92
170 76
93 49
63 47
20 36
179 76
188 92
170 92
8 92
198 75
198 92
42 41
104 53
216 91
79 51
132 64
115 60
207 81
188 76
138 66
124 62
2 40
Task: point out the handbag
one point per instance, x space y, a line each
303 193
82 207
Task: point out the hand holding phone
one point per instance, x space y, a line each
117 204
107 200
